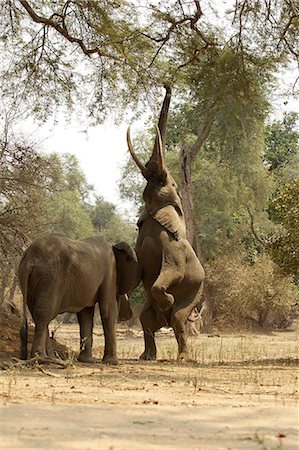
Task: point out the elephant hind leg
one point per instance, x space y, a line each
179 319
85 319
43 308
150 324
179 327
42 343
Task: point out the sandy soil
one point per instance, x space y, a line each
240 392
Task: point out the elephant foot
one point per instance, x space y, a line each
111 360
166 303
88 359
147 357
183 357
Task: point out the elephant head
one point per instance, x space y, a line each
161 194
127 268
124 309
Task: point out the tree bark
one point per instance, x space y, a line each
4 283
13 289
187 198
187 156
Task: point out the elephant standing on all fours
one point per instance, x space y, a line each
58 274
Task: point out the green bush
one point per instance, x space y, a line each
244 294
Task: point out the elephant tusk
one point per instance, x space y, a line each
133 154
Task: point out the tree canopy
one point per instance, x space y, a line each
284 210
109 57
112 54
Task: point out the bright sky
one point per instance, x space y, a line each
100 150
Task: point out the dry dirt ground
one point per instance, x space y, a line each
240 392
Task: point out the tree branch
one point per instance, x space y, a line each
204 133
49 22
257 237
175 24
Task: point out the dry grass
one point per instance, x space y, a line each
252 374
255 365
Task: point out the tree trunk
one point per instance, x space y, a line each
187 156
4 283
187 198
13 290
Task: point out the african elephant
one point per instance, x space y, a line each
58 274
171 272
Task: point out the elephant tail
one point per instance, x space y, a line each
24 340
24 326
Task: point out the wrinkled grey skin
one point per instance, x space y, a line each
171 272
58 274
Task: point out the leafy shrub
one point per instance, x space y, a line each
284 210
244 294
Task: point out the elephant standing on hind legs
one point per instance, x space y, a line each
171 272
58 274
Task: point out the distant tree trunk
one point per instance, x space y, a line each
13 289
187 156
4 283
187 198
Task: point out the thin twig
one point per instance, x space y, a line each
40 360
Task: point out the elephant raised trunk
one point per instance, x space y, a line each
156 163
162 124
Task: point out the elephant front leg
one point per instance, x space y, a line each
109 315
168 276
40 340
85 319
49 346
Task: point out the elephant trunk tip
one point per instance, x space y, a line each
24 340
168 88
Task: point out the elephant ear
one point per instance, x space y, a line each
126 250
172 220
126 267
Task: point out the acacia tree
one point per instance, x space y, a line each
110 54
284 210
282 142
25 178
118 51
282 160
